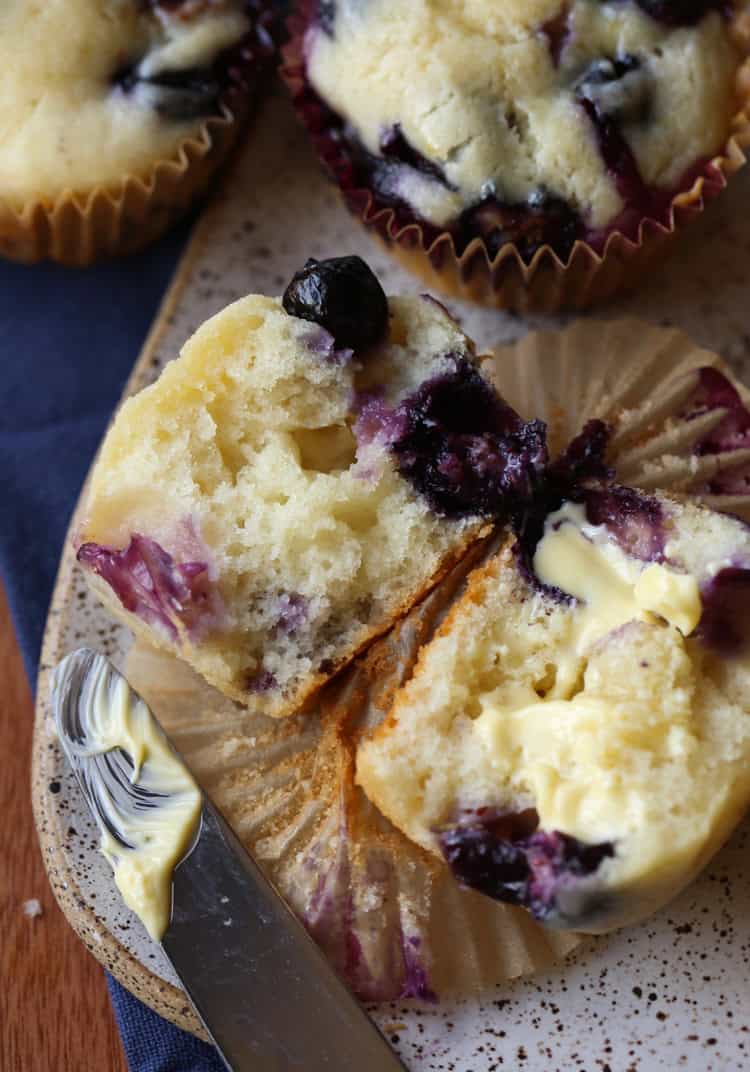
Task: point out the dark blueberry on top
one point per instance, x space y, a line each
680 12
492 853
542 220
343 296
465 449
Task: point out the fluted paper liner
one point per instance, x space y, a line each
642 380
80 227
389 915
546 283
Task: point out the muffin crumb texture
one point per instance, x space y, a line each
262 508
576 738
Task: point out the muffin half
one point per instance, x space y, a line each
293 483
116 115
576 738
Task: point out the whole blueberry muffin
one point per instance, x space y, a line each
576 737
130 101
524 124
297 479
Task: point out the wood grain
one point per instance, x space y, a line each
54 1009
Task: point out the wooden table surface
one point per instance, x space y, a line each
55 1014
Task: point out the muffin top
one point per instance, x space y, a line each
584 111
94 90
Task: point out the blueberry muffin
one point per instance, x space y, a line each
298 478
576 737
100 95
520 124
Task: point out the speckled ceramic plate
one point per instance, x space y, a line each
671 994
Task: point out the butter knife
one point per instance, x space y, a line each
263 990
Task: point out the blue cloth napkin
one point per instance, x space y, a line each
69 340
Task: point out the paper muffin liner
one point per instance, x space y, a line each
680 419
546 283
79 227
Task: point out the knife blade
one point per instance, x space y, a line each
263 990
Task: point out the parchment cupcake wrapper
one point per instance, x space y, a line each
644 381
78 228
389 915
546 284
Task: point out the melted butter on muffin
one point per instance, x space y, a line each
94 90
510 101
576 737
567 746
580 560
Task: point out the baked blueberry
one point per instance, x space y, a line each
635 521
725 623
178 95
464 449
150 584
716 392
617 87
542 220
327 15
343 296
542 872
395 147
